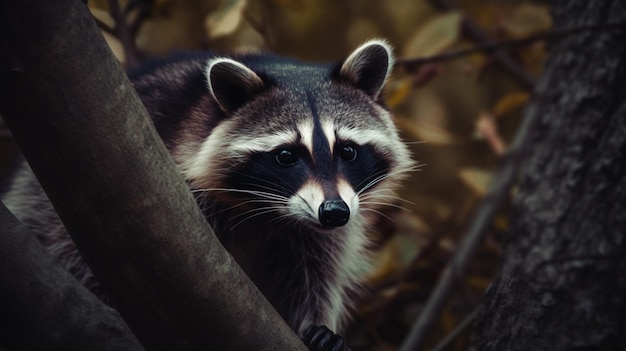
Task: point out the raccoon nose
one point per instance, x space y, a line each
334 213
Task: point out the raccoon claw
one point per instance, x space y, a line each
320 338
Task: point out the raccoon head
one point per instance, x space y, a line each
311 144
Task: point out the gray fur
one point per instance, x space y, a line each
223 120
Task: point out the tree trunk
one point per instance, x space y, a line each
91 144
563 281
43 307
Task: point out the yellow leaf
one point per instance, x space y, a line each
477 179
528 19
398 92
435 36
225 19
510 103
426 132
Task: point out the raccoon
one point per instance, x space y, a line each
289 162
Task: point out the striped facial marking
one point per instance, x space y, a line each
348 195
306 135
364 136
265 143
328 128
307 200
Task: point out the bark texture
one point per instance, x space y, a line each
91 144
563 282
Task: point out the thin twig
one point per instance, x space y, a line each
123 34
258 26
143 13
105 27
476 33
505 44
499 190
458 330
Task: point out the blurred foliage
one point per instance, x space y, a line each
458 117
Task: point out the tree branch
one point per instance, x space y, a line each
91 144
123 33
43 307
506 44
498 191
472 30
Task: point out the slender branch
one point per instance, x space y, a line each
258 26
136 24
499 190
123 34
143 9
506 44
471 29
466 322
105 27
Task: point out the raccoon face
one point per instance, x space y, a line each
301 143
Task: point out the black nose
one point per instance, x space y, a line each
334 213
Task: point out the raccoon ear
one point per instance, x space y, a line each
231 83
368 67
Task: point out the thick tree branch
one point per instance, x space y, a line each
43 307
88 139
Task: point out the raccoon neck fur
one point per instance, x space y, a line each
296 267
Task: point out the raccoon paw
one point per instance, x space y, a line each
320 338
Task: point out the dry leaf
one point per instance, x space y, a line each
426 132
435 36
477 179
225 19
510 103
528 19
398 92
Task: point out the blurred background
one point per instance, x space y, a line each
458 91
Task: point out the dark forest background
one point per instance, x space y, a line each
464 79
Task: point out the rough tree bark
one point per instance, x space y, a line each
563 281
90 142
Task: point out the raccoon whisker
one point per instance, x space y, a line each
365 209
418 167
384 176
251 201
260 211
284 216
256 210
264 194
367 181
273 186
373 182
385 204
376 193
270 186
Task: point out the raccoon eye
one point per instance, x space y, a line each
286 157
347 153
